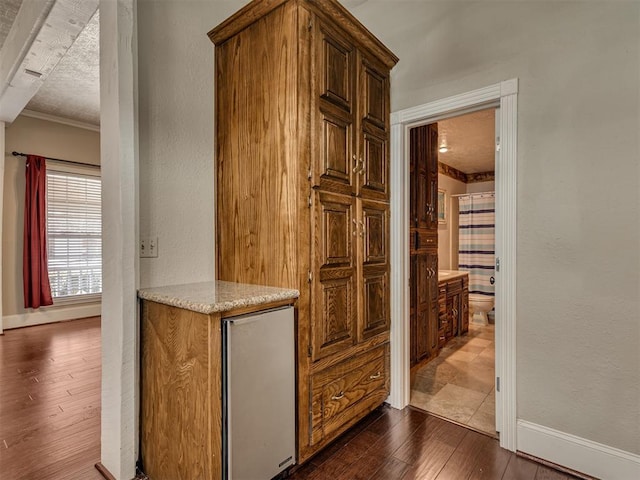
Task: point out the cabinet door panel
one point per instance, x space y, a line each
333 256
374 261
376 310
432 264
375 172
413 323
434 314
333 329
432 168
334 164
336 68
375 91
375 233
418 147
336 231
422 304
464 318
424 288
423 154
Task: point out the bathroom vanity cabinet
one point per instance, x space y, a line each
453 300
302 136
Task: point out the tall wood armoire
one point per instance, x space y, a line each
302 130
423 259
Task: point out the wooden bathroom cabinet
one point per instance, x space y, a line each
302 135
423 248
453 318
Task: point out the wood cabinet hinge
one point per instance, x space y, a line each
309 174
310 201
310 276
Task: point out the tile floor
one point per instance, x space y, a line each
459 384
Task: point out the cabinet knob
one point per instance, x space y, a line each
377 375
355 164
338 396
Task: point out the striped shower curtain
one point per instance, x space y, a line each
477 241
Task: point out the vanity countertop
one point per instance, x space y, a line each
445 275
218 296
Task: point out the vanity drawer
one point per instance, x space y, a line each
454 286
343 392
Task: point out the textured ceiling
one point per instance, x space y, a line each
8 11
72 90
470 139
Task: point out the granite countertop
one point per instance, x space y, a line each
444 275
218 296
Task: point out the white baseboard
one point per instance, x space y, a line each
579 454
50 315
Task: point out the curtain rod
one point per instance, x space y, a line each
18 154
472 194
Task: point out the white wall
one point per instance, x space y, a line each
578 362
480 187
176 88
578 302
448 232
49 139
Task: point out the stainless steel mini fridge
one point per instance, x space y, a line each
258 382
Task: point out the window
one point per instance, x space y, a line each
74 235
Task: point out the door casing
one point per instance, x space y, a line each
505 96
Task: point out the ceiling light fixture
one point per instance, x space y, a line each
443 149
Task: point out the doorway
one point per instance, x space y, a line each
503 95
454 376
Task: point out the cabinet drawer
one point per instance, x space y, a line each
454 286
342 392
422 239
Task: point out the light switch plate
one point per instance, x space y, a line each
148 247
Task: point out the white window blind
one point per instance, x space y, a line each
74 234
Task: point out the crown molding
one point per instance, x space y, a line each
62 120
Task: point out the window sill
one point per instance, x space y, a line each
77 300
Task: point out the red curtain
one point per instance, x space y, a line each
37 291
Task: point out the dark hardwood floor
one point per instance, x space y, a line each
50 423
408 444
50 401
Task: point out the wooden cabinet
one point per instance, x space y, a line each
181 393
454 307
302 130
424 308
464 306
453 316
181 408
